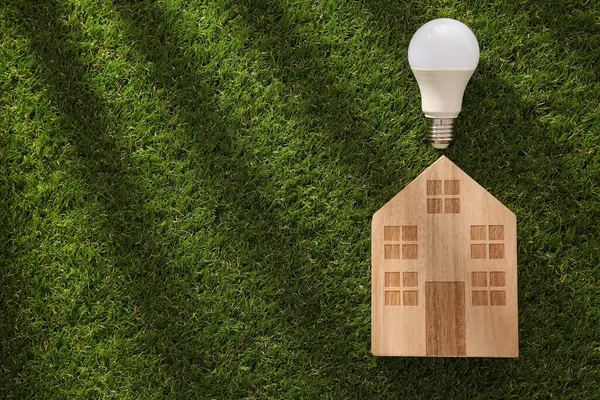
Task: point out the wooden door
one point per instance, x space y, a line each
445 318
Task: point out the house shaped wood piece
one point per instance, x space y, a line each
444 270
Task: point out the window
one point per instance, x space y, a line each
479 283
480 297
497 278
479 279
486 241
401 288
391 233
443 198
498 297
400 243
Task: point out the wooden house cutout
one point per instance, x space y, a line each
444 270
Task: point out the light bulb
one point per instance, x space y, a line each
443 54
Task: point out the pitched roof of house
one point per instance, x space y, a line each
440 164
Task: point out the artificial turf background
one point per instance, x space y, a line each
186 191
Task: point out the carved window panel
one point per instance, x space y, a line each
452 187
496 232
392 298
479 279
391 251
486 242
497 278
392 279
496 251
410 298
478 251
391 233
481 292
434 187
410 233
411 279
401 242
478 232
480 297
401 289
410 251
497 297
434 206
443 198
452 206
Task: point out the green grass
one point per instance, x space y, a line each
186 192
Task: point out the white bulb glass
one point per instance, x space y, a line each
443 54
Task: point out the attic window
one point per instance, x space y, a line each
452 187
443 198
434 188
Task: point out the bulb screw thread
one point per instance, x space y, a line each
441 132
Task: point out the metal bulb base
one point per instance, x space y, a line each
441 132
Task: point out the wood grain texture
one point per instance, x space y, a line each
498 278
392 279
445 318
479 297
479 278
444 270
411 279
410 298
